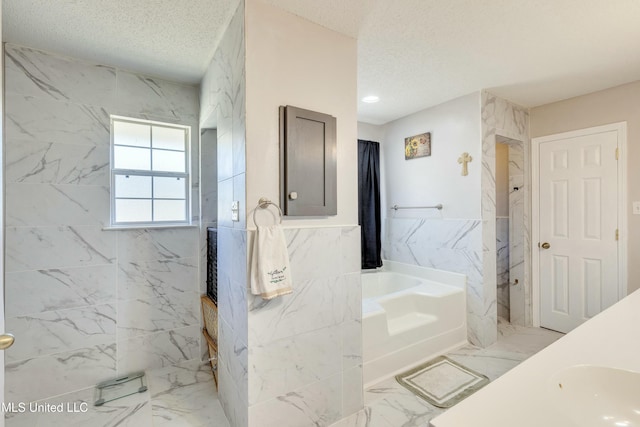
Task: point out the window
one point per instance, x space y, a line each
149 172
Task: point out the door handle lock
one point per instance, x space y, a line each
545 245
6 341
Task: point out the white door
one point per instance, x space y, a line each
578 223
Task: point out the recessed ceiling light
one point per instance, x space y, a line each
370 99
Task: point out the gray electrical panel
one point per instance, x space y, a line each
307 162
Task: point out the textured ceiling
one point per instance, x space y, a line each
418 53
174 39
413 54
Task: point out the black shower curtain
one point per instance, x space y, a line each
369 203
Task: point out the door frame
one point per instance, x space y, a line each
621 128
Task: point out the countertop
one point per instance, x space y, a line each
521 397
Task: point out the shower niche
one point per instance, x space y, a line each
510 229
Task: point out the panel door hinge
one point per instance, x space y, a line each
617 153
617 234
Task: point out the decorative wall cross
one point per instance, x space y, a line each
463 160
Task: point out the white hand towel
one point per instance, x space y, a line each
270 270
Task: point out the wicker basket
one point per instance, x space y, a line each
213 354
210 316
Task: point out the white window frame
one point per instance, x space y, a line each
151 173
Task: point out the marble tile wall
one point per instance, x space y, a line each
88 304
209 195
305 350
502 263
500 118
451 245
222 96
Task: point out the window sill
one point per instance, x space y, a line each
145 227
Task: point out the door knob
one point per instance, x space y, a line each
293 195
6 341
545 245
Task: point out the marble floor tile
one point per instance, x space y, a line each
185 395
388 404
182 395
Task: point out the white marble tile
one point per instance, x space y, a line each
502 264
32 119
238 253
37 291
224 155
502 118
388 404
130 411
515 338
151 97
225 250
399 410
517 251
516 160
45 376
233 355
185 395
31 248
318 404
352 391
47 204
235 50
161 313
350 250
288 364
158 350
148 279
225 198
157 244
233 400
209 208
351 344
350 296
209 175
54 163
238 121
239 194
314 304
63 330
314 253
218 96
195 204
362 418
232 306
43 75
224 82
510 118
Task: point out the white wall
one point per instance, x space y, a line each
370 132
295 62
617 104
455 128
316 332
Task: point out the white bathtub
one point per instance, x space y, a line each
410 314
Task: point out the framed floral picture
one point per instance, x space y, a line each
417 146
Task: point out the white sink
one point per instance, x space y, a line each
597 396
